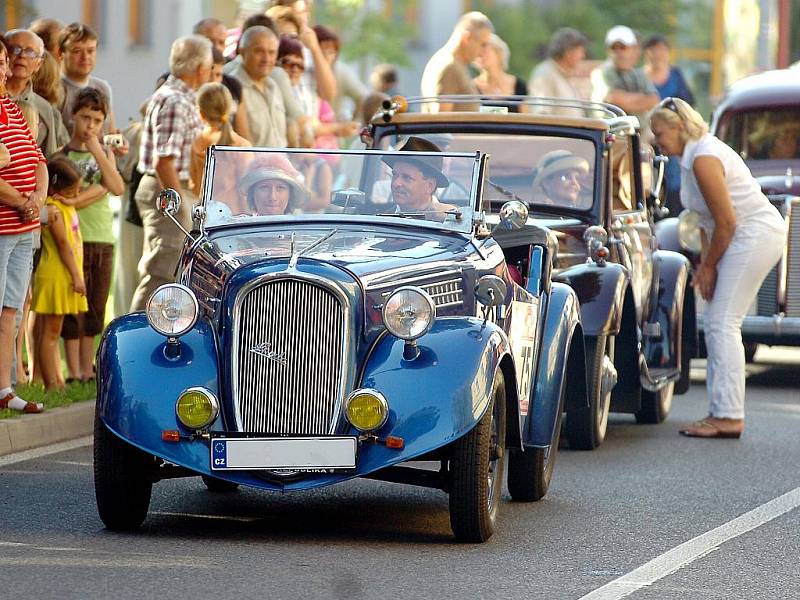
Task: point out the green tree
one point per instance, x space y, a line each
528 25
367 34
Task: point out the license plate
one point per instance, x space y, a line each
301 454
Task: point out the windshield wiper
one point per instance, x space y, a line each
506 192
421 215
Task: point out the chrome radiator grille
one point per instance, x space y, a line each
793 262
288 358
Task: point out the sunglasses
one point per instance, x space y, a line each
293 65
669 104
24 52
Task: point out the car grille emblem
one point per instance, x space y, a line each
265 349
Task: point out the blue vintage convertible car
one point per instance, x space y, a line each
323 327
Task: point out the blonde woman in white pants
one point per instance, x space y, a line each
743 238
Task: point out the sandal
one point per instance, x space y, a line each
708 429
29 408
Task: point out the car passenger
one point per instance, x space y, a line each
272 186
558 179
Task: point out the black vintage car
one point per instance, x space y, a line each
637 312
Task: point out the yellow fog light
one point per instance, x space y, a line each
366 409
197 408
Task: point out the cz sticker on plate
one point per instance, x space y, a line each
294 453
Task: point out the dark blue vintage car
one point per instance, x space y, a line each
324 326
585 173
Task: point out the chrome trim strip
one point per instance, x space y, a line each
454 273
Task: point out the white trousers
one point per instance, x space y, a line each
740 273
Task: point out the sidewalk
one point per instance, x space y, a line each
52 426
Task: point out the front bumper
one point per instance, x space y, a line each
776 330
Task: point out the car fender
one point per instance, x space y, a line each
139 378
562 323
662 327
601 292
441 394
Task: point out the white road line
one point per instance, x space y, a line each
696 548
18 457
214 517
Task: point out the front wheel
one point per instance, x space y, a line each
530 471
655 405
476 472
122 486
586 426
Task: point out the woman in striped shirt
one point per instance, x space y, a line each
23 188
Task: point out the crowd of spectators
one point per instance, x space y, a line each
275 80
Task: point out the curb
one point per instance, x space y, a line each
52 426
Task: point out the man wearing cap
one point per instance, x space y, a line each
618 81
558 179
415 179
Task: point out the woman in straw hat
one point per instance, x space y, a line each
558 179
272 186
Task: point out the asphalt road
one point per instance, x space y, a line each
643 493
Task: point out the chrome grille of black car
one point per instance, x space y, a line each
288 358
770 294
793 262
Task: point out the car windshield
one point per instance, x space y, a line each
246 184
549 173
765 134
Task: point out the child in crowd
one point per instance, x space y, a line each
216 105
58 286
99 180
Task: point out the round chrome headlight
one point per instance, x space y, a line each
172 310
409 313
366 409
197 407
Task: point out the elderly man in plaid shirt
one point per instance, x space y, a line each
170 125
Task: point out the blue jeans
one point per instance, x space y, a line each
16 264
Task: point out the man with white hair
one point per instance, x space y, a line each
25 57
170 125
266 111
447 71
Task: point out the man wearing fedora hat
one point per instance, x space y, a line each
415 179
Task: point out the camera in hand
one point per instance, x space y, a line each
114 140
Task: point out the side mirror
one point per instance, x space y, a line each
513 215
490 290
168 203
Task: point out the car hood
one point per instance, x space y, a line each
362 251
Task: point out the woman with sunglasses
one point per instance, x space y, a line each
743 238
558 179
